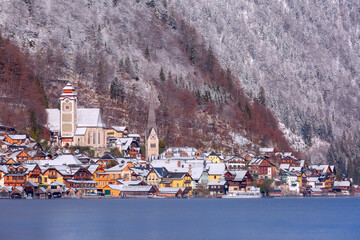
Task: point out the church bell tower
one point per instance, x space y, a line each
68 118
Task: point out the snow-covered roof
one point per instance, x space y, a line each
216 183
119 128
56 183
196 172
130 183
124 143
89 117
341 183
17 136
239 175
53 119
137 188
313 179
170 190
134 135
170 165
80 131
295 169
285 166
65 159
265 150
216 168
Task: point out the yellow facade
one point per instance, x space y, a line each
214 158
101 178
50 176
184 182
153 179
112 133
124 174
113 192
214 177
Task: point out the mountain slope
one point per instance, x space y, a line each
113 50
305 55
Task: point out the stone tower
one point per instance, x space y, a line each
151 134
68 112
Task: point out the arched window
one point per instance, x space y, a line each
94 138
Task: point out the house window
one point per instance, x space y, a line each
214 177
153 145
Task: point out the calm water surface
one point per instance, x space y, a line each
293 218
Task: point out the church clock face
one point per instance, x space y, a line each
152 136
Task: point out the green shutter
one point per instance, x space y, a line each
107 192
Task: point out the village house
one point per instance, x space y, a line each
155 175
120 172
218 188
238 180
176 179
114 132
17 139
262 168
16 176
81 182
215 158
215 171
235 162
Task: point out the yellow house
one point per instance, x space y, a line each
112 190
120 172
176 179
101 178
51 174
35 175
117 132
215 171
214 158
155 175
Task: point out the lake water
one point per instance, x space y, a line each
286 218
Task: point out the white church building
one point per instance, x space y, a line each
76 126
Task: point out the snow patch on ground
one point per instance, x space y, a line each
318 151
295 141
239 139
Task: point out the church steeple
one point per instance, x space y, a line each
151 134
151 117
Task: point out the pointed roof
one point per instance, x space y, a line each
151 118
68 92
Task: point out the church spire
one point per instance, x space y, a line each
151 118
151 135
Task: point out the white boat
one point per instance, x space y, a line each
250 193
